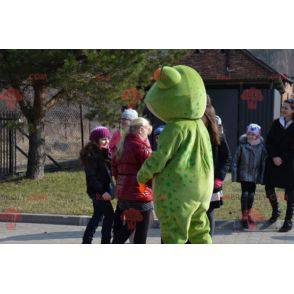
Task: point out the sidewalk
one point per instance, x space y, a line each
226 233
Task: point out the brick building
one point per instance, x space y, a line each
243 88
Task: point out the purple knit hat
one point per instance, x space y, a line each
99 133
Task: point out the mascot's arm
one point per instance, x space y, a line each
168 143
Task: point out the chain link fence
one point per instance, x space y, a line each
66 131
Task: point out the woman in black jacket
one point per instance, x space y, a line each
96 160
221 159
280 163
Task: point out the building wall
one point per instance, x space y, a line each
289 91
237 113
277 104
211 65
227 86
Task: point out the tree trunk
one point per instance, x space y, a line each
36 155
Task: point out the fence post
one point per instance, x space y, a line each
82 124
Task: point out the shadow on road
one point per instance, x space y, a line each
47 236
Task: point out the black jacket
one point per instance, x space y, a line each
221 160
97 169
280 143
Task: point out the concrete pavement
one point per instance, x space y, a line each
226 233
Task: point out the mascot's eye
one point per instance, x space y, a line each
167 77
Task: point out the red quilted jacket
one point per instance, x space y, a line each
125 169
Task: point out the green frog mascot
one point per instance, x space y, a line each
182 166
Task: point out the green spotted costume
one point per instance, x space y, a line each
182 167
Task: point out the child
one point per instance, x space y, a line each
248 169
96 161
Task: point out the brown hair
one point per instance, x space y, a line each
209 119
87 150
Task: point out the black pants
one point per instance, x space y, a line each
247 197
101 209
210 215
117 222
272 196
122 234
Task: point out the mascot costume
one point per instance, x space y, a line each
182 167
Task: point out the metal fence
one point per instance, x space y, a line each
7 143
66 131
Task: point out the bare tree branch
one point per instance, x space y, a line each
54 99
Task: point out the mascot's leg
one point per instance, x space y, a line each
199 227
174 218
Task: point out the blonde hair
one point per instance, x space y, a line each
135 125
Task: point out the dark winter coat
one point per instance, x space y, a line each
222 161
97 168
125 169
249 162
280 143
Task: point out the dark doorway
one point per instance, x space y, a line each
225 102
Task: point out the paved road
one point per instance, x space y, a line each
227 232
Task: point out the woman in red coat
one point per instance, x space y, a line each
134 201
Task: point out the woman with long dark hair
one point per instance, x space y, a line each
280 163
221 158
96 161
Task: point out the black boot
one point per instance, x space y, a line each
275 206
287 226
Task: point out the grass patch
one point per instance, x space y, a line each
232 203
65 193
57 193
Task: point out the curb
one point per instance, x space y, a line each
52 219
82 220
